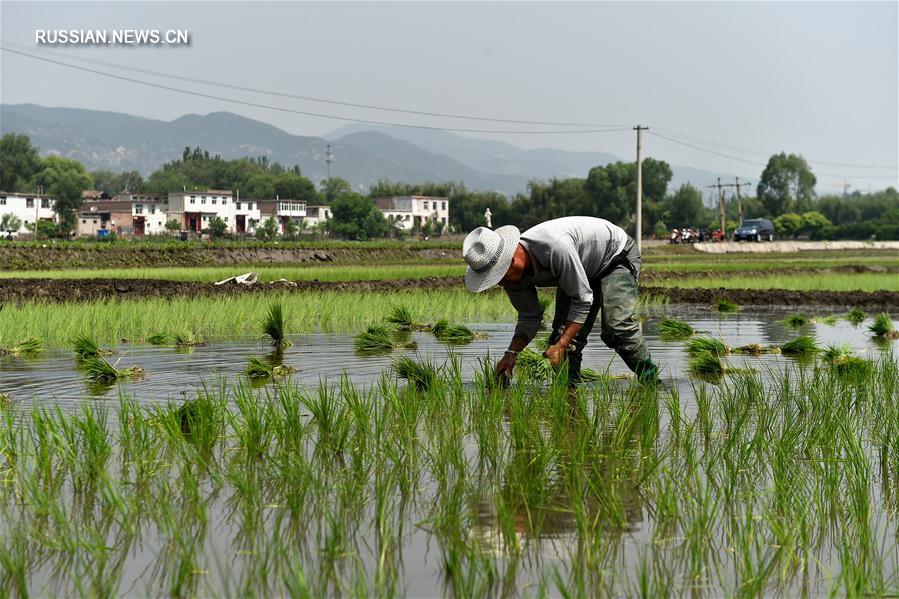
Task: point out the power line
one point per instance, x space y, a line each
701 149
760 153
313 99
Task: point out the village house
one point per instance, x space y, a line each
410 213
282 211
246 215
317 214
149 212
102 217
194 210
28 208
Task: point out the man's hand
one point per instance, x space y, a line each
506 365
556 354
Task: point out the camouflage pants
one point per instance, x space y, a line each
614 302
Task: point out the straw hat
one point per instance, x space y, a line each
488 255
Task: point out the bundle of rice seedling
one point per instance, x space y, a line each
401 316
534 366
260 369
273 326
725 305
698 345
423 375
5 400
452 333
856 316
672 329
840 359
99 370
26 347
882 327
376 338
797 320
159 339
828 320
186 339
755 349
803 345
705 364
84 347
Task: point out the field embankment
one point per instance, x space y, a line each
19 257
24 290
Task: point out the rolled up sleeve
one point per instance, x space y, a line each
530 313
569 270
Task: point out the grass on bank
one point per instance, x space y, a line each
806 282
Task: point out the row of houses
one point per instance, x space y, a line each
139 214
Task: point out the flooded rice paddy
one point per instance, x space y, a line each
340 480
171 374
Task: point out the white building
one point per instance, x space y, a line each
247 215
194 210
149 212
282 211
411 212
317 214
28 207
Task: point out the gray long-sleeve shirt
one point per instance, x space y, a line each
567 253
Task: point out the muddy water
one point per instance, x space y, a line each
171 374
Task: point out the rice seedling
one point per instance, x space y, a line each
85 346
28 346
186 339
706 363
273 325
797 320
672 329
725 305
856 316
828 320
802 345
455 334
159 339
882 327
5 400
422 375
698 345
755 349
842 360
258 368
401 316
375 338
534 366
98 370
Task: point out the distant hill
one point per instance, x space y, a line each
363 154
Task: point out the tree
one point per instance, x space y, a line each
788 224
115 183
19 161
64 180
268 230
291 229
356 217
786 184
172 226
217 227
612 190
685 207
814 221
334 187
10 223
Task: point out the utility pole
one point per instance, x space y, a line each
720 187
737 186
639 131
329 158
846 187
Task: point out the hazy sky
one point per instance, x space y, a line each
820 79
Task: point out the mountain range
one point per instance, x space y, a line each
363 154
